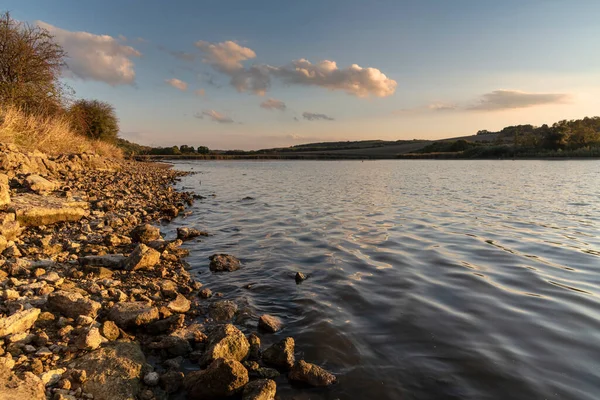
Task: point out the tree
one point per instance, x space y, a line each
30 67
185 149
94 119
203 150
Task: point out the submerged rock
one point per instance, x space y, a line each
280 354
261 389
113 372
225 341
269 323
223 262
311 374
222 310
222 378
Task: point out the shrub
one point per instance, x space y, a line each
30 66
94 119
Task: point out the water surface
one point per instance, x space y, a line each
427 279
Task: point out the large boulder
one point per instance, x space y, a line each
73 304
280 354
113 372
19 322
311 374
223 262
133 314
40 185
145 233
29 387
33 210
4 190
142 257
225 341
261 389
222 378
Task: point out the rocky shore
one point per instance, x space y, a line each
96 304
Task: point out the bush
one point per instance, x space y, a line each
94 119
30 67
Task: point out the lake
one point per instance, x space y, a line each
426 279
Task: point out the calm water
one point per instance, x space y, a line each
427 279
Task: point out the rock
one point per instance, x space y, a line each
142 257
19 322
33 210
311 374
52 377
166 325
40 185
30 387
223 262
254 346
261 389
280 354
269 323
205 293
113 372
171 381
189 233
111 261
145 233
168 288
222 310
222 378
51 277
133 314
4 190
174 345
225 341
300 277
109 330
192 333
9 226
3 243
151 378
73 304
180 304
64 384
98 272
89 340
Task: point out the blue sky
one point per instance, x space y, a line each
438 68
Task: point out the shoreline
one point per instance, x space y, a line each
96 304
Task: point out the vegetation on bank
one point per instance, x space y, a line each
37 110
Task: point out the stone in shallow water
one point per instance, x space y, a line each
261 389
34 210
300 277
222 378
222 310
189 233
225 341
223 262
269 323
280 354
311 374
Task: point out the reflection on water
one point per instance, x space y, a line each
427 279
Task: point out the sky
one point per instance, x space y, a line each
258 74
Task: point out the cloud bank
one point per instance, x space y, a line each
511 99
95 57
214 116
315 117
228 57
177 84
273 104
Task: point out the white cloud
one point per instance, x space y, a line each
228 57
510 99
315 117
273 104
199 92
177 84
95 57
442 107
215 116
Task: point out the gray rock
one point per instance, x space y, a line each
19 322
133 314
311 374
223 262
222 310
151 378
222 378
73 304
269 323
142 257
261 389
280 354
225 341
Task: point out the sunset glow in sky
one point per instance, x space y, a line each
258 74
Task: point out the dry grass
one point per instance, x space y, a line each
50 135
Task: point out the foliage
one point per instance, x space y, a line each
203 150
449 146
94 119
30 66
